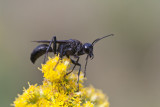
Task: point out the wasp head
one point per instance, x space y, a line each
88 49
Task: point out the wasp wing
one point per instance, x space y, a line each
48 41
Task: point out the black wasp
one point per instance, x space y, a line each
71 47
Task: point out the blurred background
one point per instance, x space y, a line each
126 66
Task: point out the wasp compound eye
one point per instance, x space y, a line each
88 48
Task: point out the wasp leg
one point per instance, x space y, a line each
73 67
61 55
54 48
55 45
78 64
85 66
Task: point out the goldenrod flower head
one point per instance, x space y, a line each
60 90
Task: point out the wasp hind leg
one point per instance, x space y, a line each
54 41
60 56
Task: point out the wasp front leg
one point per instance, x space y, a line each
78 64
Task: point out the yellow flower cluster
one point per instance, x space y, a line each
60 90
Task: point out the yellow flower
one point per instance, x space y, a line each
60 90
88 104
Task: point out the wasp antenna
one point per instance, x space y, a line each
95 41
